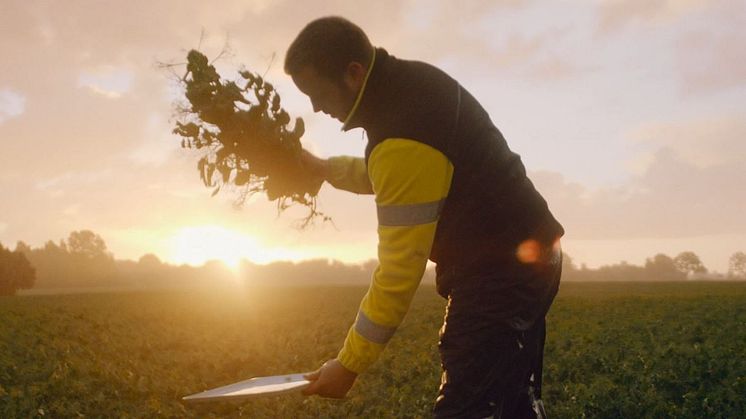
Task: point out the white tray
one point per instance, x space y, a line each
255 387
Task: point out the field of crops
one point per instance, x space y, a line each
626 350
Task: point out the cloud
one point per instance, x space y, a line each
616 15
704 38
518 49
555 67
107 81
671 199
12 104
57 185
703 142
158 146
489 38
711 57
72 210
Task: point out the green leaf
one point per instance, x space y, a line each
210 172
242 178
300 128
201 168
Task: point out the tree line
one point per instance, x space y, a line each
661 267
82 260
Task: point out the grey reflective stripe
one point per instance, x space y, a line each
408 215
371 331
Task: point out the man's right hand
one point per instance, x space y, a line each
331 380
317 166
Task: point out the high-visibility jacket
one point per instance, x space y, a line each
447 187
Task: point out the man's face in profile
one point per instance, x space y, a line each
333 98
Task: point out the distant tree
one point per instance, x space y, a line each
23 248
88 244
52 247
662 268
571 271
80 261
369 266
737 265
689 263
568 264
149 260
622 271
15 272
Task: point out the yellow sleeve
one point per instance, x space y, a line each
349 174
411 181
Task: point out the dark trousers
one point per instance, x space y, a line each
492 342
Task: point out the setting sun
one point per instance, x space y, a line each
197 245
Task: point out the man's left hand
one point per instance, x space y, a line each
331 380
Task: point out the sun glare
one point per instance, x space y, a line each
197 245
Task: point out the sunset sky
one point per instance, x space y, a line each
629 115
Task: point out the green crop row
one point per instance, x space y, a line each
613 350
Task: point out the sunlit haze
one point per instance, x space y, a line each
629 116
197 245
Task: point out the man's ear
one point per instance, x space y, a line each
355 75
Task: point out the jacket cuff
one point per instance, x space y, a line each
336 168
358 353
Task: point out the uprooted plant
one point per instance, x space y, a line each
245 137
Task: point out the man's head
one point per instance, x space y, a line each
328 62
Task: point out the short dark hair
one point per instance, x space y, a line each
328 44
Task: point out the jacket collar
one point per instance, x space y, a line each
362 109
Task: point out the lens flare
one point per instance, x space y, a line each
529 251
